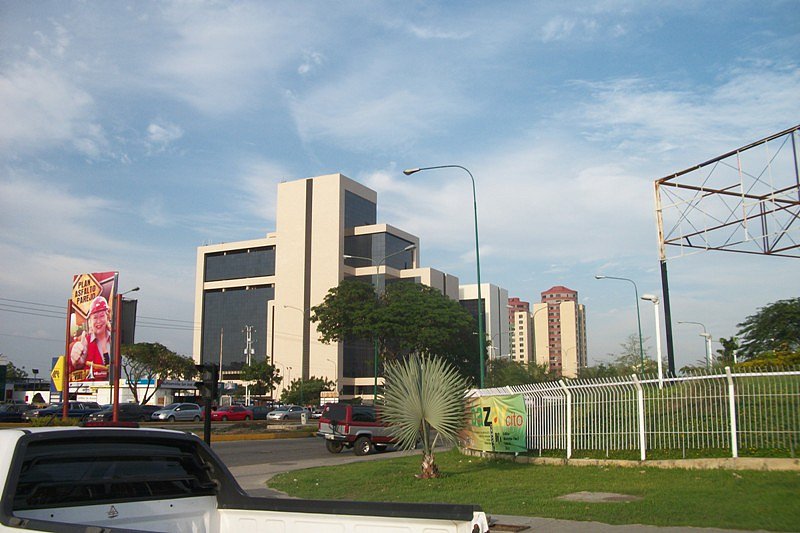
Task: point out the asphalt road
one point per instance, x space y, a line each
274 451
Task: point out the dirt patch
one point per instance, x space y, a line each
598 497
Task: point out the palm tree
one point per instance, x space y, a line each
424 394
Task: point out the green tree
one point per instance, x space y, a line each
783 356
504 372
311 388
600 371
153 362
264 376
424 394
725 355
774 327
408 317
12 372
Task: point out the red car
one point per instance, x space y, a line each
231 412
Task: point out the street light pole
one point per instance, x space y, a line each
379 289
706 335
638 317
481 334
654 299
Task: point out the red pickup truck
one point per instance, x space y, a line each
353 426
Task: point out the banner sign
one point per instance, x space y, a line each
90 326
497 424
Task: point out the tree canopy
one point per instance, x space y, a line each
152 362
408 317
504 372
311 389
264 376
774 327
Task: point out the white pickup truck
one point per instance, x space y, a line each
107 480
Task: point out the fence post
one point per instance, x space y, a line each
732 409
569 417
640 412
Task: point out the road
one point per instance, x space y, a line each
253 462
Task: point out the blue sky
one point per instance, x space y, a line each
133 132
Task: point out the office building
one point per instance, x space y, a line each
326 229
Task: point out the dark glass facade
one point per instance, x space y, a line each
359 359
472 307
358 211
380 248
240 264
225 315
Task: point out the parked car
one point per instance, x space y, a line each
231 412
12 412
74 410
128 412
287 412
353 426
178 411
316 412
260 411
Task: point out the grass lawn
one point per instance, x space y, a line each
701 498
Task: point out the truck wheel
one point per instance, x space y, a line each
362 446
333 446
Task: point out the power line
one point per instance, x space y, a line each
33 311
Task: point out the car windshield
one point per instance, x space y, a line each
171 406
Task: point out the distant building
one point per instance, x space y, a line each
563 329
495 318
518 336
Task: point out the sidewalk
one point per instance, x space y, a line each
253 479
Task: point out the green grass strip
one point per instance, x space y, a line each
700 498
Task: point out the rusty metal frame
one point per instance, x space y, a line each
745 201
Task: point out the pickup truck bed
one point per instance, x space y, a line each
104 480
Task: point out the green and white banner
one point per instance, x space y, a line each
497 424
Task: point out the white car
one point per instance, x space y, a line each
178 411
288 412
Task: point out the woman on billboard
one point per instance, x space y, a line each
93 350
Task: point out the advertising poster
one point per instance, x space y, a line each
497 424
90 326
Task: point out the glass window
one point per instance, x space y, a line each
239 264
358 211
225 315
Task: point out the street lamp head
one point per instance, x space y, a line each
132 290
598 276
410 171
650 298
409 247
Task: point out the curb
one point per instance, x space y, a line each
259 436
723 463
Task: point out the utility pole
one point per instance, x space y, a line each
248 353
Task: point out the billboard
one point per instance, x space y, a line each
497 424
90 323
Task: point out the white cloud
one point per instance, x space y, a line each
161 135
311 61
42 108
557 29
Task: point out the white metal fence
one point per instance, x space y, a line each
733 409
